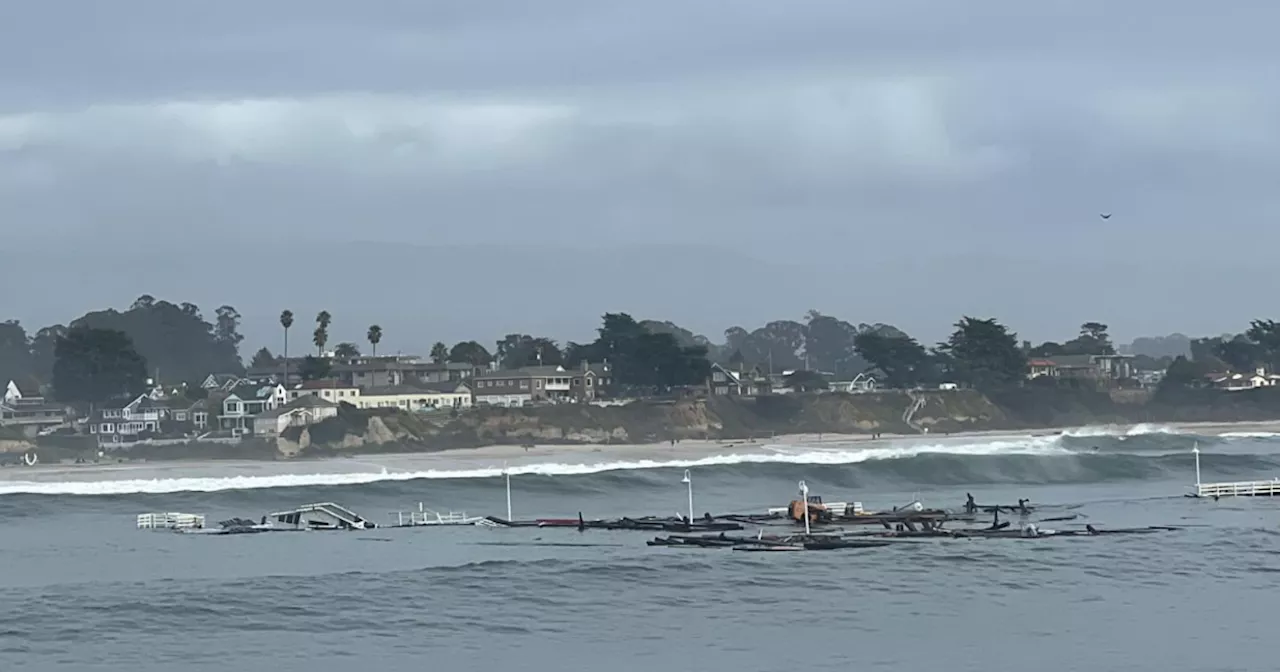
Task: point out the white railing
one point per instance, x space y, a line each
428 517
1269 488
170 521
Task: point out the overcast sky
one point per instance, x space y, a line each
734 161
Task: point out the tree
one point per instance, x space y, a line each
643 359
903 361
1240 354
176 341
439 353
1092 340
984 354
43 347
320 336
96 365
517 350
375 337
286 321
15 352
1181 375
469 352
263 359
314 368
1265 334
346 350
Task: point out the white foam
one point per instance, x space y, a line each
1248 435
766 454
1144 429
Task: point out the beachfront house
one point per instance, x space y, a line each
124 421
301 412
23 406
419 398
245 401
742 382
329 389
537 384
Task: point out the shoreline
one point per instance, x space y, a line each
483 460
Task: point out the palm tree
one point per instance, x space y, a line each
286 321
375 337
321 336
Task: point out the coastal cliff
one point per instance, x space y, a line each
888 412
717 418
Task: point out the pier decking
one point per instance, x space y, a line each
1270 488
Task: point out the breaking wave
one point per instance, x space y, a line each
1087 454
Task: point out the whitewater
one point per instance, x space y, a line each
1145 440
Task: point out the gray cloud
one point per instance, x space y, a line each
959 152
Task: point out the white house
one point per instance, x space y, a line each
305 410
421 397
246 401
330 390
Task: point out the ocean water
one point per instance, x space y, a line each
81 589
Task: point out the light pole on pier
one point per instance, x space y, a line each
804 498
507 473
688 481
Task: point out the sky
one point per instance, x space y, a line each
461 170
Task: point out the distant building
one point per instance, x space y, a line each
1100 368
330 389
416 398
1235 382
743 382
540 384
301 412
124 420
399 370
245 401
24 406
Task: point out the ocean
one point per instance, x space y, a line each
82 589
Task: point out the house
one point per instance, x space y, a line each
196 413
117 422
1235 382
863 382
745 382
23 406
305 410
1082 367
245 401
421 397
399 370
330 389
222 382
1038 368
535 384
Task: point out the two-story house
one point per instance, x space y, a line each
745 382
402 370
329 389
532 384
25 407
245 401
123 421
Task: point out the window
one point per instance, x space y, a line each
589 382
233 407
524 384
538 384
577 382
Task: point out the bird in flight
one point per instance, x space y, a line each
1106 215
